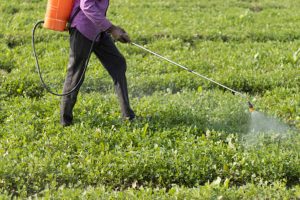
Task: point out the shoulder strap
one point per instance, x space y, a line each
73 17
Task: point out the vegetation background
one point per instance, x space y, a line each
192 139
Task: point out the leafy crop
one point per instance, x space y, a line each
191 139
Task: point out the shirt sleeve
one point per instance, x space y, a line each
95 11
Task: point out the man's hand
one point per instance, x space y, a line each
119 34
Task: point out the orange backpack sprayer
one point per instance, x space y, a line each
57 17
58 14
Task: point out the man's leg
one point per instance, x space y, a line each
115 63
79 49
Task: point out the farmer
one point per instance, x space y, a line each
88 19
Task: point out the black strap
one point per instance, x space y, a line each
73 17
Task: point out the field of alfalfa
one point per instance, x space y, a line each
192 139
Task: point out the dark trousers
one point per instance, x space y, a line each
111 59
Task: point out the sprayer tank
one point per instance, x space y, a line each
57 14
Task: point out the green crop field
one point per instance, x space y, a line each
192 139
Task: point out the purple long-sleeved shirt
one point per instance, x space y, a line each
91 18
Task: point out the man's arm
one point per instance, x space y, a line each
95 13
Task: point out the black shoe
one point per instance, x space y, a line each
66 120
131 116
64 124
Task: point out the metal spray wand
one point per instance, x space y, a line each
250 105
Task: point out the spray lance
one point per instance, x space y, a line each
250 105
57 16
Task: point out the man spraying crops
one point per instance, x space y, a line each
89 19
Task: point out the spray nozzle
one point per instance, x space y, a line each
251 107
